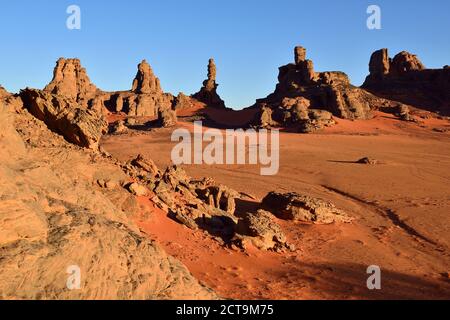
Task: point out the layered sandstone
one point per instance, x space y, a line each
70 80
327 91
405 79
145 99
80 126
64 207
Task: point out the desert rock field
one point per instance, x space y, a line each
88 183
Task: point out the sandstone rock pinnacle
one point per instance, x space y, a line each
379 64
71 80
208 93
145 81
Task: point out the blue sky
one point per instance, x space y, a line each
249 40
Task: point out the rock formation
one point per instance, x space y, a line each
208 93
3 93
260 230
293 206
83 127
167 118
9 100
145 81
70 80
54 214
405 79
145 99
328 91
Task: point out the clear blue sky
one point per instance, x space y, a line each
249 39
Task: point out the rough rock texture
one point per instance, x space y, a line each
71 80
10 101
196 204
380 64
260 230
118 127
167 118
145 81
83 127
208 93
3 93
183 101
405 62
405 79
54 215
329 91
146 98
293 206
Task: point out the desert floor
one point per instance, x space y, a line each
401 208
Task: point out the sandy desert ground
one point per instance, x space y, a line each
400 207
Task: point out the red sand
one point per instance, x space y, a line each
401 208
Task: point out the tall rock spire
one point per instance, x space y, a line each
208 93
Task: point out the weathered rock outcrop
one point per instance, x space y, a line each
70 80
300 89
145 81
260 230
405 79
55 219
10 101
293 206
146 98
82 127
208 93
3 93
167 118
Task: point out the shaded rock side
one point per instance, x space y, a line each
208 93
405 79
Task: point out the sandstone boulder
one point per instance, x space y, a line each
119 127
261 230
293 206
167 118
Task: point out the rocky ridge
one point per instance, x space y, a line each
405 79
